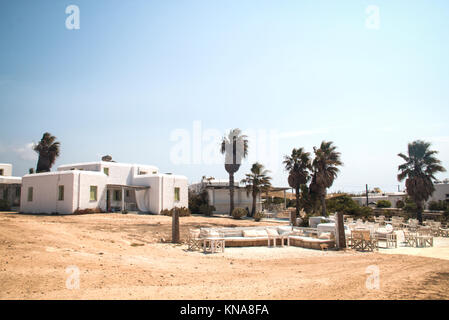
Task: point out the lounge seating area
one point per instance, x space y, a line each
271 236
360 235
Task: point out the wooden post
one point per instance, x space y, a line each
175 226
366 193
340 236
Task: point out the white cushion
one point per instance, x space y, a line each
214 234
206 233
325 236
272 232
261 233
250 233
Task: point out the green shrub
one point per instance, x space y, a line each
183 212
274 200
4 205
88 211
383 204
400 204
238 213
410 207
364 212
343 204
446 215
197 200
291 203
258 216
437 205
206 210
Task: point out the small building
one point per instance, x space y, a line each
105 186
218 195
374 197
10 186
441 192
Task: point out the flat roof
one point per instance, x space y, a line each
52 173
10 180
119 164
126 186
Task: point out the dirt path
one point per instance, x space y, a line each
121 256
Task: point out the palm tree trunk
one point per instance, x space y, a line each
253 210
323 204
231 193
419 207
295 214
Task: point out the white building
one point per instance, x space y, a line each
218 195
9 186
441 192
106 186
373 198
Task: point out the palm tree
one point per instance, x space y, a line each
325 170
48 150
235 148
419 169
298 165
257 182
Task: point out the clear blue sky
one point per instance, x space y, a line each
138 71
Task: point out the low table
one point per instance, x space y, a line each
274 238
213 245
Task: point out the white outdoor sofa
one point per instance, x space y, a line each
252 236
311 238
259 236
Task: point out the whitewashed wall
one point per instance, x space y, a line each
7 169
84 180
76 192
45 193
162 191
219 198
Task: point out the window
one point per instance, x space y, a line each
30 194
1 172
5 193
61 193
93 193
127 193
177 196
142 172
117 195
106 171
18 192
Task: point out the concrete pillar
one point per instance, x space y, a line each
123 199
285 200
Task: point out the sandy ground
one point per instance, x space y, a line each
122 257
